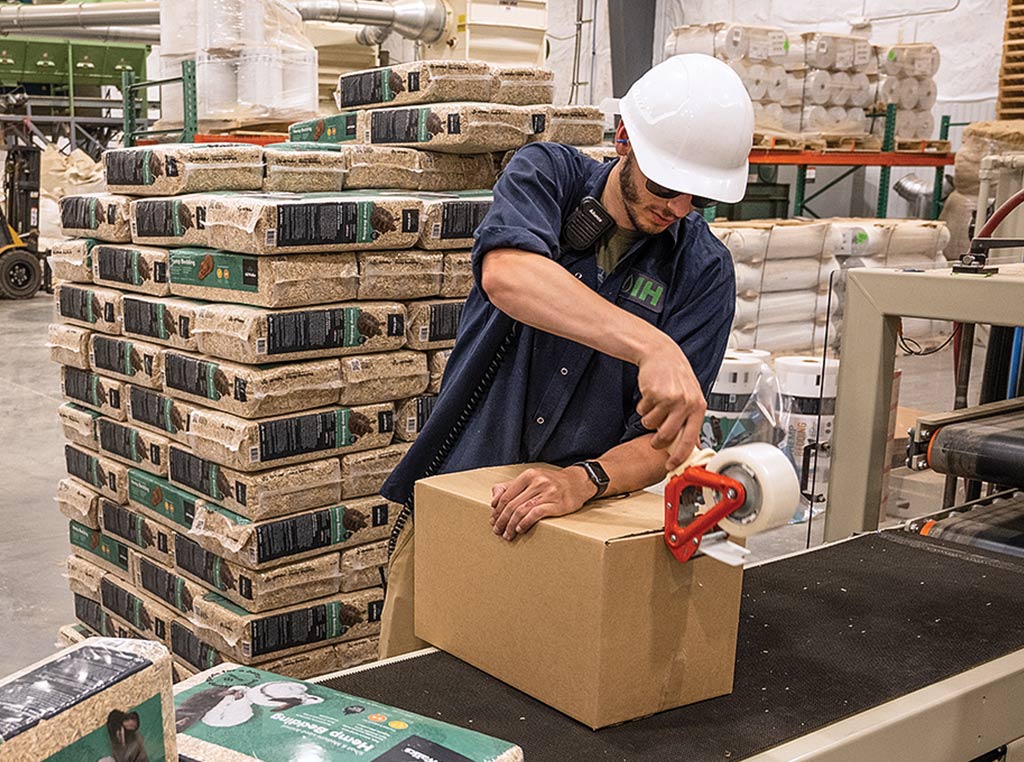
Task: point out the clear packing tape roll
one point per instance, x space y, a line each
773 491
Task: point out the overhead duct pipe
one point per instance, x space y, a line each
25 18
422 20
140 34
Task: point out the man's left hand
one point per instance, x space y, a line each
537 494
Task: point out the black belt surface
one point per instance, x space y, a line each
823 635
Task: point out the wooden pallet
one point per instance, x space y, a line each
826 142
1010 103
774 141
904 145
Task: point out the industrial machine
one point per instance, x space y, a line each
22 265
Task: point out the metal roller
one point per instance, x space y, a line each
990 450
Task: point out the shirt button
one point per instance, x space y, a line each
564 371
579 275
540 421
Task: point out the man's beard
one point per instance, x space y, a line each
632 200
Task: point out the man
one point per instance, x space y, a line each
596 359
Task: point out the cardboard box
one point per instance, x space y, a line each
589 613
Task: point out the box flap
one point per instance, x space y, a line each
614 518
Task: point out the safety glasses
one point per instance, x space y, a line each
699 202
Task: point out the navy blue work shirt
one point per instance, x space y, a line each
553 400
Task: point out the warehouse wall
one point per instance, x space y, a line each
968 34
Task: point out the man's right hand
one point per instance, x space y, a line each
671 401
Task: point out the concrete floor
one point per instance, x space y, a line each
34 599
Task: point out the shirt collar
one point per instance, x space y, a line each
594 186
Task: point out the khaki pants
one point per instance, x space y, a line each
397 627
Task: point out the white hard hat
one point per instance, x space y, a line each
691 125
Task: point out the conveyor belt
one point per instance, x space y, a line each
997 527
823 635
988 449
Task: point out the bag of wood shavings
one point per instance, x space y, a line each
159 412
293 280
158 581
99 699
103 216
364 473
387 376
261 494
165 320
89 306
131 268
569 125
68 345
252 637
176 168
523 85
141 533
267 543
250 445
309 718
458 275
599 153
450 219
411 414
254 335
176 221
107 552
127 360
135 610
278 223
251 391
362 567
133 445
104 395
336 128
258 591
415 82
437 361
434 323
78 502
305 168
408 274
462 128
79 425
72 260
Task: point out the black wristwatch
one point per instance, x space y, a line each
596 474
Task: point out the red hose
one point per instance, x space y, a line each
1000 214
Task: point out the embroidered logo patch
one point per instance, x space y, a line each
644 290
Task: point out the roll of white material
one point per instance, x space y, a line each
925 125
790 275
817 87
299 79
857 118
216 86
837 117
923 61
909 92
777 83
745 316
927 93
815 118
893 60
828 266
737 374
820 51
761 355
863 55
749 245
840 91
178 29
787 307
797 241
228 25
803 377
784 337
690 39
776 484
769 116
792 116
845 49
795 81
757 82
731 42
915 238
748 279
862 92
889 89
861 238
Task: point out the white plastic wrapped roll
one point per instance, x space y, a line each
857 118
927 93
216 86
915 238
925 125
758 113
818 87
794 94
909 92
840 91
787 307
889 89
757 82
815 118
820 51
731 42
228 25
776 484
857 238
845 49
260 80
862 91
863 55
769 116
777 83
299 79
790 275
690 39
893 60
791 118
923 60
906 124
837 117
178 29
828 267
797 241
748 245
783 337
748 279
746 313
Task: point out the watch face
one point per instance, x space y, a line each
597 473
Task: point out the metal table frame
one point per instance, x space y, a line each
875 299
